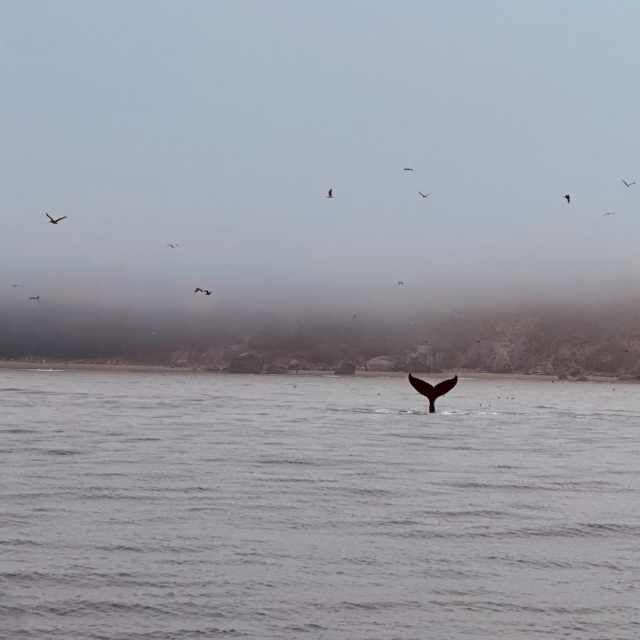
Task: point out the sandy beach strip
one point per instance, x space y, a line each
143 368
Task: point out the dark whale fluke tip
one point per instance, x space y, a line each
431 392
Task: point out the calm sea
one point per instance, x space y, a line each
175 506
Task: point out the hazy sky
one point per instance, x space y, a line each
220 126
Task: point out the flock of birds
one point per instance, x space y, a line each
206 292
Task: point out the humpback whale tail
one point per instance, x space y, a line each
432 392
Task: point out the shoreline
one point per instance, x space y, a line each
143 368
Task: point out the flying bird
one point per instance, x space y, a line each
627 184
354 316
16 285
612 213
36 298
330 193
407 169
198 289
207 293
431 392
424 195
52 221
400 282
173 246
567 198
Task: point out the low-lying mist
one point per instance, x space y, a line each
600 336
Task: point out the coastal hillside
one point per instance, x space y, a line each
572 342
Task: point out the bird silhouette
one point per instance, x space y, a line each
567 198
609 214
330 193
424 195
52 221
172 246
16 285
407 169
400 282
354 316
207 293
36 298
198 289
628 184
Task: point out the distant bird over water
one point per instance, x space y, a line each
424 195
431 392
567 198
330 193
628 184
52 221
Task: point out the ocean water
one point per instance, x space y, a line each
176 506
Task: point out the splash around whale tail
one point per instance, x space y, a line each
431 392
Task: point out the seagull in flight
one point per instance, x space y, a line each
52 221
567 198
424 195
627 184
198 289
400 282
609 214
173 246
407 169
36 298
330 193
207 293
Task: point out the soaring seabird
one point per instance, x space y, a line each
431 392
424 195
407 169
612 213
198 289
400 282
36 298
627 184
52 221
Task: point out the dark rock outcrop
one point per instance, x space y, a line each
246 363
346 369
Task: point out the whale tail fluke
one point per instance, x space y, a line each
431 392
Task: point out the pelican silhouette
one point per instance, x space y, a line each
431 392
330 193
424 195
628 184
567 198
52 221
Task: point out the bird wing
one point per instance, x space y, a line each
446 385
197 289
50 218
421 386
58 220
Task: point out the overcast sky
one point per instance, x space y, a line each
220 126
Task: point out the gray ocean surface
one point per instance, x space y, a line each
175 506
